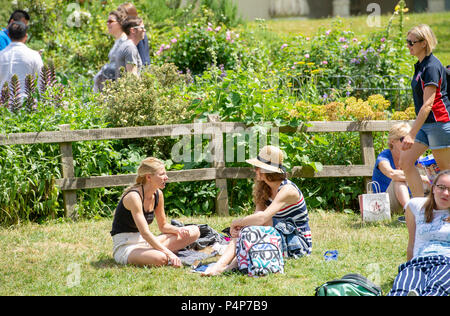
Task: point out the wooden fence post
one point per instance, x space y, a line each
68 171
218 156
368 153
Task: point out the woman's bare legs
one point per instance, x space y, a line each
152 257
407 164
442 157
401 192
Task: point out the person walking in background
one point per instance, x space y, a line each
427 271
431 129
17 58
108 71
127 54
16 16
139 205
144 51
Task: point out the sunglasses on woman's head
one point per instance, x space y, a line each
411 43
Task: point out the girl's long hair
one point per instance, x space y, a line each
148 166
430 204
262 191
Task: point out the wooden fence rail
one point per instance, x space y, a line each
218 172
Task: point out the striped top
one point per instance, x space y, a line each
298 211
299 214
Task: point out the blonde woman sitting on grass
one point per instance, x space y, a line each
139 205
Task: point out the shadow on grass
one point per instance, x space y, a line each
105 263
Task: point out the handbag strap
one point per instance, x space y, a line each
375 184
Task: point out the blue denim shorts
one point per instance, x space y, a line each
434 135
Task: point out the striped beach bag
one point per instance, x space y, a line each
259 251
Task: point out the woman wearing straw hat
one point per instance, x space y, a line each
139 205
276 198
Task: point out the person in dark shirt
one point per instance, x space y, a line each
431 129
133 243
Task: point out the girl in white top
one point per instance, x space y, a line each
428 219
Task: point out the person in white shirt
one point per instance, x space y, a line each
17 58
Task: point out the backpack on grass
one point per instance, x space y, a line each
349 285
258 251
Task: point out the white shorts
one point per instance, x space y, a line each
125 243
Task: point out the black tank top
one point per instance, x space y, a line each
123 219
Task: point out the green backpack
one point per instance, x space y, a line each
349 285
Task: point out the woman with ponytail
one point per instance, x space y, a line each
139 205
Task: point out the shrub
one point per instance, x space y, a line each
152 99
200 44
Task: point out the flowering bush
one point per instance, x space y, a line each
201 44
335 63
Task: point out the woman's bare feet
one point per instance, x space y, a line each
214 270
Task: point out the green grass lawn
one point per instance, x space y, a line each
439 22
74 258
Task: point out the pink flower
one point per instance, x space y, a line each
324 62
328 32
173 40
306 55
228 34
383 39
218 29
284 46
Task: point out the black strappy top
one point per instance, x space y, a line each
123 219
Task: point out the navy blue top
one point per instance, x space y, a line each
144 51
431 72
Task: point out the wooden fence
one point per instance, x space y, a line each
69 184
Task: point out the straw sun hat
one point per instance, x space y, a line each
270 159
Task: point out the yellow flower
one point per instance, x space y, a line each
397 7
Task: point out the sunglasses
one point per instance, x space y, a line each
139 27
110 21
411 43
401 139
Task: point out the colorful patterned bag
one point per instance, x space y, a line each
258 251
